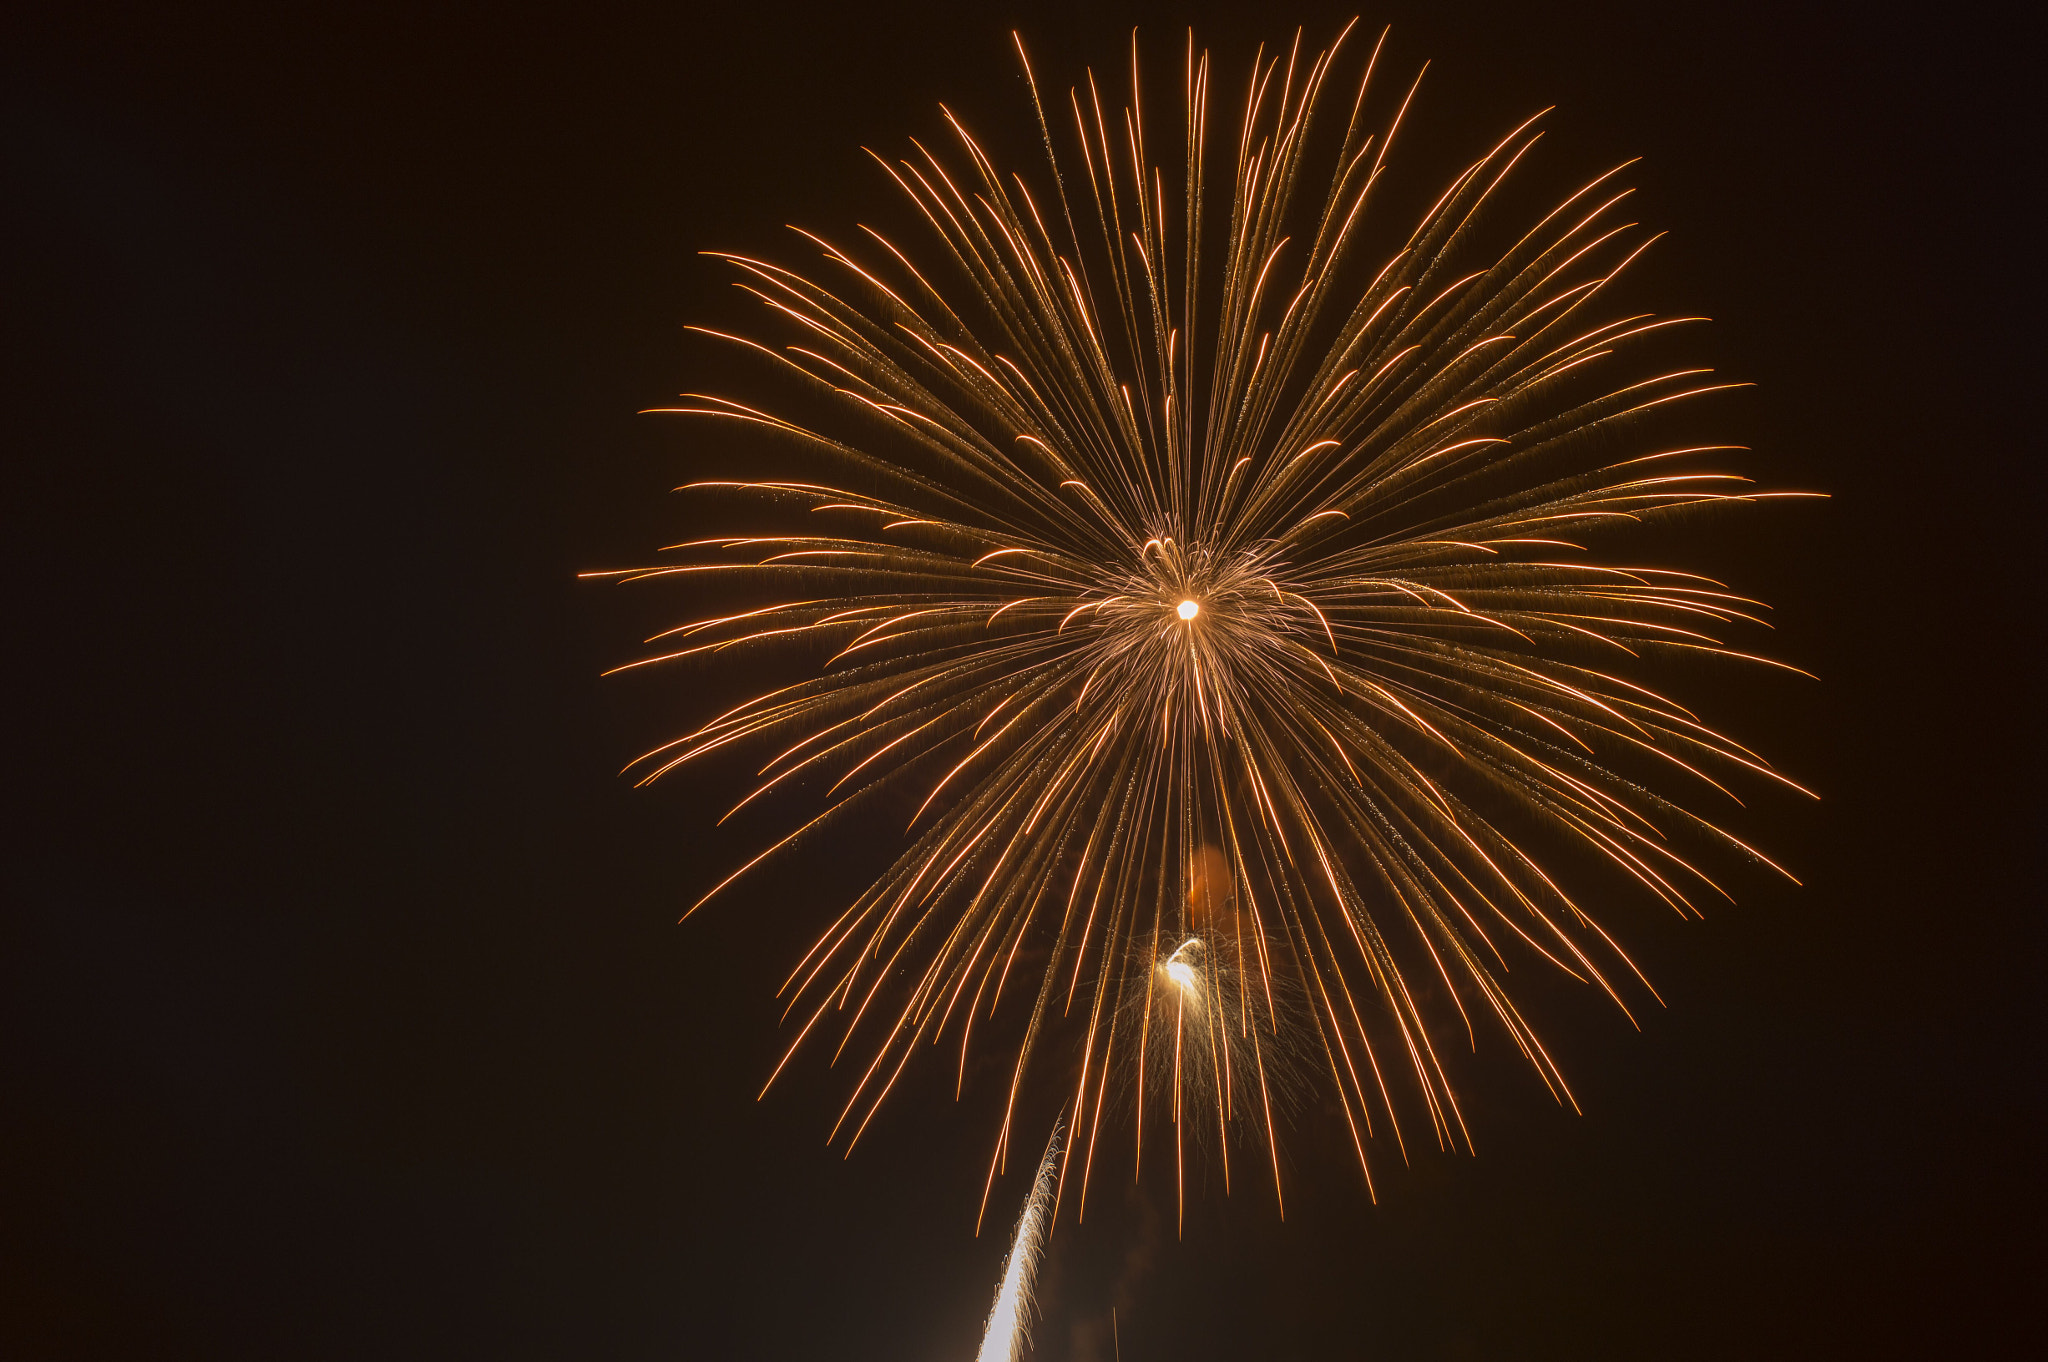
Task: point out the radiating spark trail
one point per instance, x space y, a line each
1185 550
1009 1320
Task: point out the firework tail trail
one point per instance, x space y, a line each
1009 1318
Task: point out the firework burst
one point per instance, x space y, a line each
1223 595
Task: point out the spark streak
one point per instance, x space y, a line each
1009 1320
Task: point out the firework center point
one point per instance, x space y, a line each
1188 610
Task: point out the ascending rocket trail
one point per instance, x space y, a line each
1008 1320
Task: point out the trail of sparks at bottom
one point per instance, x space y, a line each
1009 1320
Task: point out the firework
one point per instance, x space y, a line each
1009 1319
1217 597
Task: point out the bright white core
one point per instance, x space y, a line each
1188 610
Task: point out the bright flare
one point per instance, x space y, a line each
1185 975
1009 1321
1188 610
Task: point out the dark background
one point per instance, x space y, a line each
345 1011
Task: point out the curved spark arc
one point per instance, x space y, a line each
1120 580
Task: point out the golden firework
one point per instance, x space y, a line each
1224 593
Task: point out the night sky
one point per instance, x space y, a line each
345 1011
